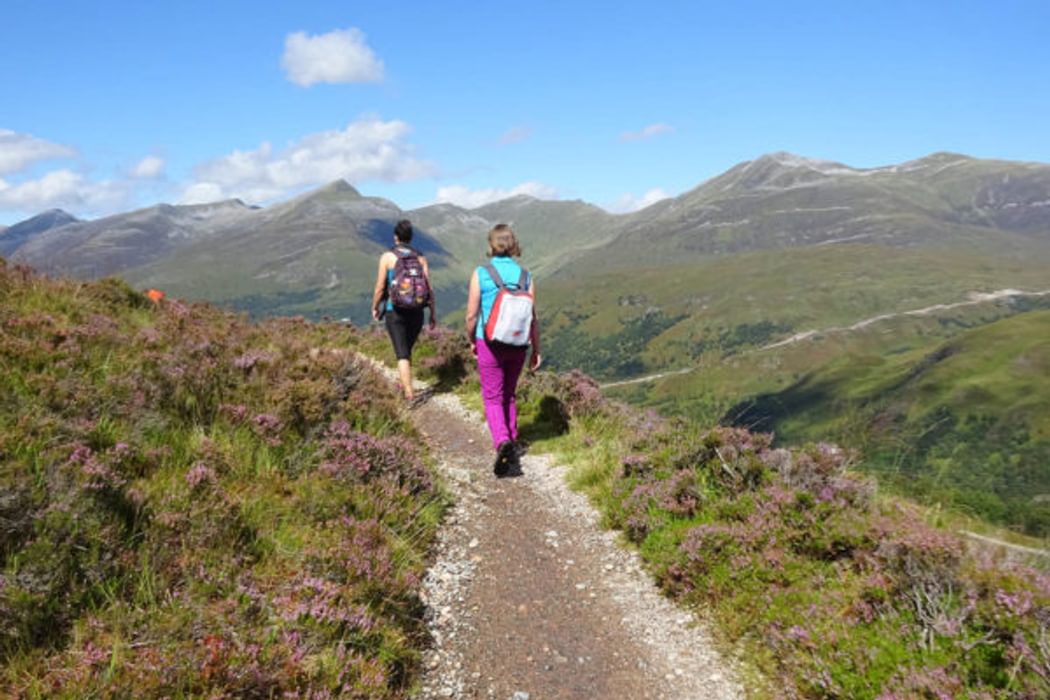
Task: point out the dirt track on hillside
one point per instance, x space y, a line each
529 599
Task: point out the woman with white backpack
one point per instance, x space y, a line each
501 325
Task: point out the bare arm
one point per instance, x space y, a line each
473 305
380 288
433 302
536 359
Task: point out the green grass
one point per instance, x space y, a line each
716 318
196 506
732 304
963 422
810 574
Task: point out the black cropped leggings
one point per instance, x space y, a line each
404 326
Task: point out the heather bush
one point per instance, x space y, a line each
196 506
444 357
829 589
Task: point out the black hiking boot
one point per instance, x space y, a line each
515 459
505 458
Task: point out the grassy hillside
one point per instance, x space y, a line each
862 308
619 325
823 585
965 422
192 506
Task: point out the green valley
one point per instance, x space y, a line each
964 422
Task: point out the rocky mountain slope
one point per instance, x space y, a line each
313 254
13 237
786 201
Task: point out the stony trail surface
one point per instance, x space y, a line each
530 599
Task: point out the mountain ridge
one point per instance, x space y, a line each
324 239
13 237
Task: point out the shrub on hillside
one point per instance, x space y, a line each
192 505
841 594
445 357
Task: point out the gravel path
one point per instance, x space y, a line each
529 599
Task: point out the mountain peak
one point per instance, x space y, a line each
792 160
942 158
517 200
336 191
52 218
780 170
55 217
58 213
339 186
19 233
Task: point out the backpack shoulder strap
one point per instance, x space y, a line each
523 280
491 269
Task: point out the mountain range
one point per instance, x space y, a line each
780 275
315 254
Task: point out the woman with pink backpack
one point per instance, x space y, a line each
402 291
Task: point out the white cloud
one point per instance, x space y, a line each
58 185
515 134
341 56
470 199
63 189
647 132
148 168
368 149
202 193
18 151
629 202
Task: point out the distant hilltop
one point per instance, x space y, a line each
312 254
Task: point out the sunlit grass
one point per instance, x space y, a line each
815 594
174 532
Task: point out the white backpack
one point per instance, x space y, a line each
510 320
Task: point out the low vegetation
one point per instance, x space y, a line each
963 422
824 586
967 431
192 506
833 591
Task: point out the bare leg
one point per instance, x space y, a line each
404 370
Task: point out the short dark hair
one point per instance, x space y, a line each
403 231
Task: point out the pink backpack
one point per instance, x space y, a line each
409 289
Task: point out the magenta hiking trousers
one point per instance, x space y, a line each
499 369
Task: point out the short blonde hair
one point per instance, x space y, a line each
502 241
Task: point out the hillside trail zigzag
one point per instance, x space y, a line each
647 378
975 298
1018 549
529 597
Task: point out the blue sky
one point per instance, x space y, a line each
110 106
